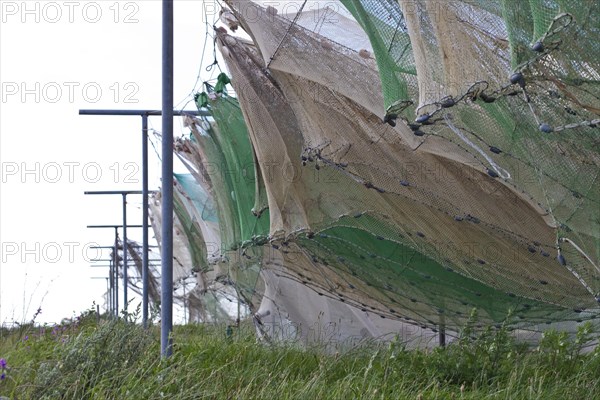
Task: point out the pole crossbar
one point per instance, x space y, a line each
143 112
114 226
118 192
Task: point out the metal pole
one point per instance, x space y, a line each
145 220
110 290
125 283
442 331
108 296
116 270
166 304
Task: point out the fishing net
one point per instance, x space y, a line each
199 285
417 159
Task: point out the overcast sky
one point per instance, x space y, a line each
56 58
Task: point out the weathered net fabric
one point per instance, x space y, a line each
386 28
199 287
465 208
513 126
221 159
260 271
329 217
134 277
135 281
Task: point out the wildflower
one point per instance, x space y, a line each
2 367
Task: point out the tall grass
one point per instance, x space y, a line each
92 358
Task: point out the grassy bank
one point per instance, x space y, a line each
91 359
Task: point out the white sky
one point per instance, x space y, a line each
41 213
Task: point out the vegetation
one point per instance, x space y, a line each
96 358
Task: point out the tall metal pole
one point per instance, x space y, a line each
107 296
145 220
166 294
125 283
111 289
116 270
442 331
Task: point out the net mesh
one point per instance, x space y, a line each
451 165
222 209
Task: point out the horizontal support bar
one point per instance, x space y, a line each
114 226
102 260
142 112
112 247
118 192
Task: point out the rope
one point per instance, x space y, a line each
566 240
286 33
394 37
499 170
208 68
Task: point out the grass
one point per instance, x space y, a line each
94 358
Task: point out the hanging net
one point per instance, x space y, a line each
201 286
389 165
